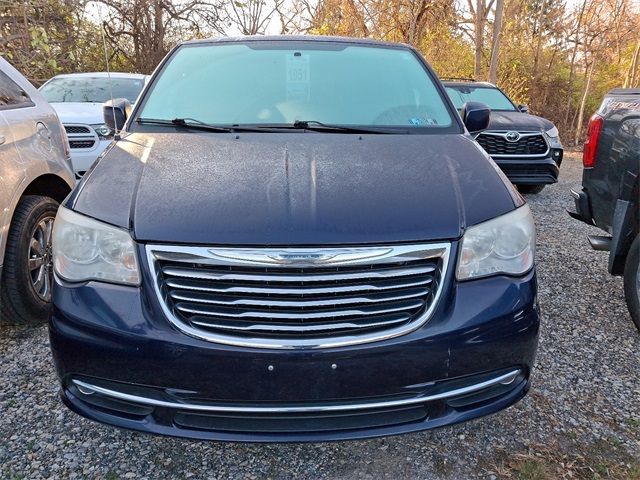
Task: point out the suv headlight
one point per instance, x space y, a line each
552 133
85 249
503 245
103 131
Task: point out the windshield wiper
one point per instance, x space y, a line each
184 122
317 126
312 125
198 124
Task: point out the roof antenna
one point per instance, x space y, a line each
116 134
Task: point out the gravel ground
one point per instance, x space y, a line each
581 419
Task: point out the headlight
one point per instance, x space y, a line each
552 133
503 245
103 131
85 249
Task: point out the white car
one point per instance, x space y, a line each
78 99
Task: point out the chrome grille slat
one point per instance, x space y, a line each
273 277
187 296
220 287
315 328
298 297
243 313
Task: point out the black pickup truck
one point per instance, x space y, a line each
610 195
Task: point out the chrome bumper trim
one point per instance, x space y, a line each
89 389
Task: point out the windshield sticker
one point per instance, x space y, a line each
420 121
298 77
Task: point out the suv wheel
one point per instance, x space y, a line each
530 188
632 281
25 291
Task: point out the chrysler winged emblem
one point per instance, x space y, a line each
302 257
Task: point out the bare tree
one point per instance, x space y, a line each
583 102
252 17
630 79
495 50
143 31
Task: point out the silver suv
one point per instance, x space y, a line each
35 176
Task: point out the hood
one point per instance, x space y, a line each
293 188
521 122
79 112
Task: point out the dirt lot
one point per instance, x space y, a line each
581 419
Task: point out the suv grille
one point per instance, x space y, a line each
76 129
81 136
81 143
298 297
528 144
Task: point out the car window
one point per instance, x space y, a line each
91 89
11 94
494 98
281 82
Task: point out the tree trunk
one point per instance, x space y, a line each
495 51
630 79
572 68
479 38
536 58
583 102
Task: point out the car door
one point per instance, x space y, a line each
12 167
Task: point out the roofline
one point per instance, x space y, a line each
105 74
467 83
624 91
298 38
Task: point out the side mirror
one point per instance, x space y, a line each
116 112
475 116
523 108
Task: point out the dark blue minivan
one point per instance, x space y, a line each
293 239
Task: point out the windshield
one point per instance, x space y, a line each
91 89
494 98
278 83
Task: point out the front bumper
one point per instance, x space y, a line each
83 158
120 362
532 171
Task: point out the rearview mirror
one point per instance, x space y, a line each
116 112
475 116
523 108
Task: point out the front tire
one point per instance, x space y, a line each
530 188
27 275
632 281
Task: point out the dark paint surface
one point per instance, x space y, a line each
100 330
299 188
293 188
617 157
518 121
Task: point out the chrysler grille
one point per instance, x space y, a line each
298 297
496 144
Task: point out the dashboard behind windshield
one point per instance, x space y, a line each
493 97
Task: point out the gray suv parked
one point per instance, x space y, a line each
35 176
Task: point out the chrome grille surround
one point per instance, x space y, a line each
507 148
201 288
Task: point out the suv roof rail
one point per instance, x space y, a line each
457 79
